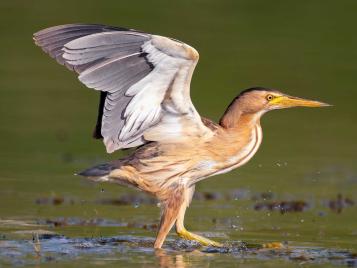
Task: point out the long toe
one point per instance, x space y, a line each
200 239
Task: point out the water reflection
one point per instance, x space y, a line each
166 261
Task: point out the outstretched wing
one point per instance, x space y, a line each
144 80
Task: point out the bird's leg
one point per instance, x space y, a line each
183 233
171 207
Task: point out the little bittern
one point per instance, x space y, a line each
144 83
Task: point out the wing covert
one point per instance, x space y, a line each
146 80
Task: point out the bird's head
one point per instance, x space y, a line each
258 100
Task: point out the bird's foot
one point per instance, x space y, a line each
200 239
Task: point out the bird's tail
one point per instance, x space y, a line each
124 175
98 173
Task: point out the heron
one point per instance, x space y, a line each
144 84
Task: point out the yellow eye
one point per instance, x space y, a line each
269 97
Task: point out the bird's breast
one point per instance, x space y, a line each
235 155
248 150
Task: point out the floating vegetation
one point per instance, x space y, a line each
338 204
99 222
263 201
54 200
73 221
282 206
128 199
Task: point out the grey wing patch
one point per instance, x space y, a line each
109 59
119 75
53 39
102 46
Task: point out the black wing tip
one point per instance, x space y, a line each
97 135
97 132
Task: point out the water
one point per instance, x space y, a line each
299 188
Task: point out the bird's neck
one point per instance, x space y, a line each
235 118
238 139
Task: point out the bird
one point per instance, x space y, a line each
144 103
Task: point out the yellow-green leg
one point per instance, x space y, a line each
183 233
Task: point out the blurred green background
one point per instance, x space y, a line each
303 48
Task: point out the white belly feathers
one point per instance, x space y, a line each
246 154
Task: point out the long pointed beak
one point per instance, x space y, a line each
289 101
